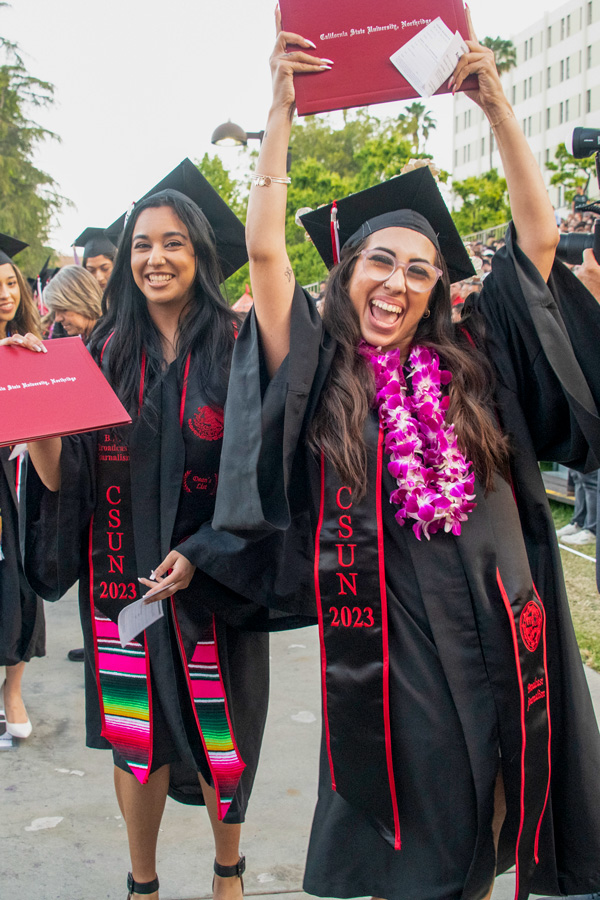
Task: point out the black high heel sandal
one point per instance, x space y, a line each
231 871
140 887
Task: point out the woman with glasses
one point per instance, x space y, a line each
458 734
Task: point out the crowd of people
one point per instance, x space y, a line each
369 467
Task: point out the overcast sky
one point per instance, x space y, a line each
140 84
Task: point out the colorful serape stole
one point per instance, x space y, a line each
212 715
126 705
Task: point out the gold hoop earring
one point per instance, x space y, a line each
426 314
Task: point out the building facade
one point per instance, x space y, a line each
554 87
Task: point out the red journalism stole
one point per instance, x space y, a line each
123 674
351 599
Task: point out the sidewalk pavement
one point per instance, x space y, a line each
61 833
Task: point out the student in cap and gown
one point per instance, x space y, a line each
458 734
184 704
22 626
99 253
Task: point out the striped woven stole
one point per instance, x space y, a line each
126 706
212 715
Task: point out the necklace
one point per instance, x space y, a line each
435 484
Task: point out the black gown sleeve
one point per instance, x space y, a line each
54 524
542 340
262 487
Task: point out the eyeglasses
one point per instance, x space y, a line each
418 276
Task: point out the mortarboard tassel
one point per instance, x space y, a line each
335 234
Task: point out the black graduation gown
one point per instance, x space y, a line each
22 625
168 465
451 655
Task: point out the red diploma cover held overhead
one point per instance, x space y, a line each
62 391
360 37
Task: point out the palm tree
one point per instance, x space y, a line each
414 121
505 54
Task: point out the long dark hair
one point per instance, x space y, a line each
27 318
338 425
206 326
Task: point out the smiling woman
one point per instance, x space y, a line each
22 627
454 698
183 705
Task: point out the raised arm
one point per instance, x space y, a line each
532 211
270 270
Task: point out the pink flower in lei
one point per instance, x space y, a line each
435 484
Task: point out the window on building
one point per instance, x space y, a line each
568 67
561 113
547 155
456 125
568 26
589 57
524 126
549 77
525 51
530 85
562 70
589 13
588 101
483 146
468 153
562 29
464 155
525 90
514 94
529 127
566 110
548 117
549 36
455 159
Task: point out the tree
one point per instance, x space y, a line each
484 202
416 121
570 172
28 196
505 55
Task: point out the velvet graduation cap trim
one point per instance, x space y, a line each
228 230
9 247
95 243
377 207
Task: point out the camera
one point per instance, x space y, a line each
586 141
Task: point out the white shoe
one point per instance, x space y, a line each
571 528
580 539
16 729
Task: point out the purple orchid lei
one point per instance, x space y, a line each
435 484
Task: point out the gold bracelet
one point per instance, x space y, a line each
267 180
500 121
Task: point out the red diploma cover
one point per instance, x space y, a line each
62 391
360 37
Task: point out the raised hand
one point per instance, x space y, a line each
286 63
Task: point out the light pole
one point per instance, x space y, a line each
231 135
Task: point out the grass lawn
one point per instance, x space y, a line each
584 600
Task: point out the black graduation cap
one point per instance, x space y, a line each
229 232
9 247
94 242
417 191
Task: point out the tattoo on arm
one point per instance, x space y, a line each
288 274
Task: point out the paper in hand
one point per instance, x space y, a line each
429 59
136 617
